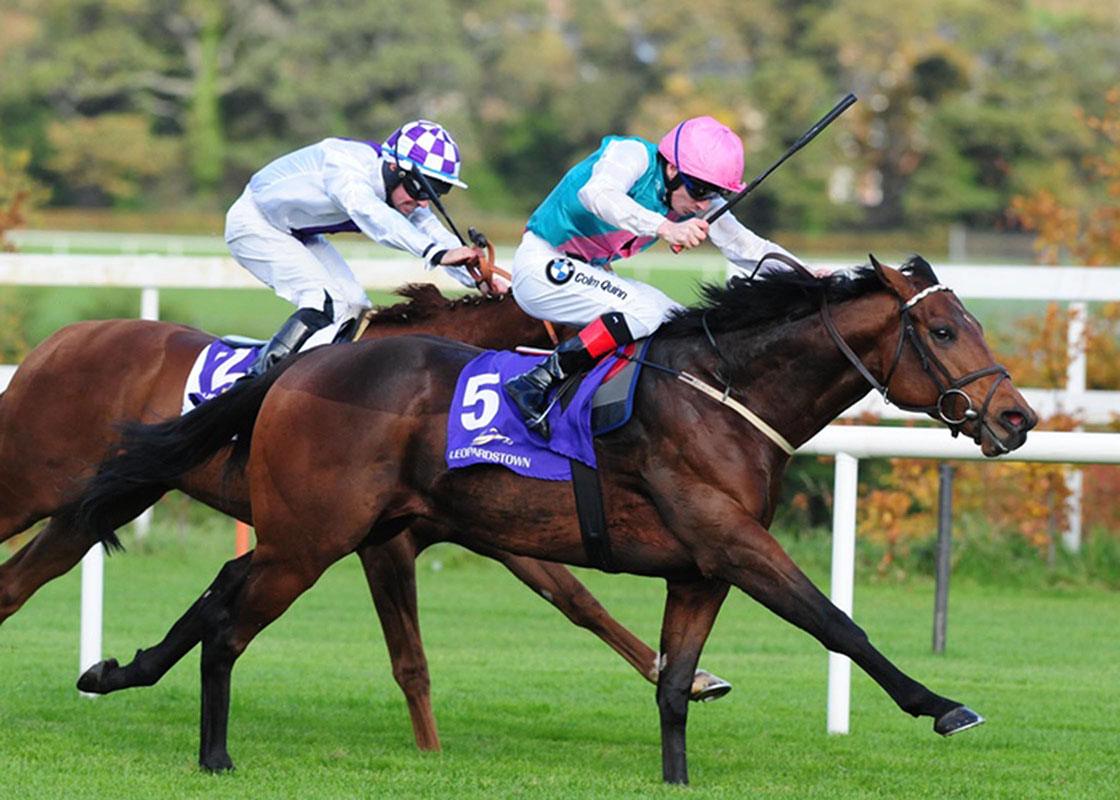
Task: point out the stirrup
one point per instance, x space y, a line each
542 418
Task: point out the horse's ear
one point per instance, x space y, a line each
894 280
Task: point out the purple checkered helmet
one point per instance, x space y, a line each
427 146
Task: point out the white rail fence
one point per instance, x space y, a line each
1077 286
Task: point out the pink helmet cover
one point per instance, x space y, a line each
705 148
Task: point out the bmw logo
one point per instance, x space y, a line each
560 270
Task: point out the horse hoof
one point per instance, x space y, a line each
707 687
959 719
216 764
92 680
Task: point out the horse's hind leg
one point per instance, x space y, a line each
208 613
276 578
54 551
757 564
391 572
690 610
555 583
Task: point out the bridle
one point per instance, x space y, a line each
484 270
948 387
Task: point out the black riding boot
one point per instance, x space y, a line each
530 390
295 331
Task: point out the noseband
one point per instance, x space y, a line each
948 387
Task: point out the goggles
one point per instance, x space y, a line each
701 190
416 188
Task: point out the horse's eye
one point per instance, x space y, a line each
943 334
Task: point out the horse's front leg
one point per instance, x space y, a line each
556 584
690 610
56 549
53 551
752 560
391 572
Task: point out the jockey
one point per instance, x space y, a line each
615 203
275 229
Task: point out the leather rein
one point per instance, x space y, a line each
484 271
947 386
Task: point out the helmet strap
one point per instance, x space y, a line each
671 184
391 176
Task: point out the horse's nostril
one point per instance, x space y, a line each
1013 419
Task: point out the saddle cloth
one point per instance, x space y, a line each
485 427
219 364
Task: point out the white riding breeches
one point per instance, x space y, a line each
298 272
549 285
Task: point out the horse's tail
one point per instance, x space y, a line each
150 458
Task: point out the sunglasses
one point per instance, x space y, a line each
701 190
416 189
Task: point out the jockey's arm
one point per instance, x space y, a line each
349 186
452 253
743 247
604 194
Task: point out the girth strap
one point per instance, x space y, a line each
592 516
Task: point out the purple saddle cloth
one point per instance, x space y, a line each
485 427
216 369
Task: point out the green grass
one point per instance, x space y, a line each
530 706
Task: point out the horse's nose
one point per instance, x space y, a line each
1018 419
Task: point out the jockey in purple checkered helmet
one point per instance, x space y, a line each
422 147
277 229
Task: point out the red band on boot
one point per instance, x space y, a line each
597 339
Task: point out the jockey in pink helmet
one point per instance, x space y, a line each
707 151
618 201
277 229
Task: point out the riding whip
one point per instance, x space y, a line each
805 138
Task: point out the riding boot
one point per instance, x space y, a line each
295 331
530 390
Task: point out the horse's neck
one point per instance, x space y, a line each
798 380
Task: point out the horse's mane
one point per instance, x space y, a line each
424 302
780 296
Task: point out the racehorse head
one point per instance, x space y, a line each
940 363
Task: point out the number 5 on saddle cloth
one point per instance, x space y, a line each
484 427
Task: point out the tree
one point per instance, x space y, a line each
110 155
170 60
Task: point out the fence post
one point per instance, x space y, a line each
149 309
93 574
944 555
843 574
1076 373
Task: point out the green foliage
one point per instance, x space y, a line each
111 155
962 104
19 192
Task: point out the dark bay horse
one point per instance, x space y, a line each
347 448
57 421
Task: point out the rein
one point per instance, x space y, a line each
947 386
484 271
723 397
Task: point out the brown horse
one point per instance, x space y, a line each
58 417
347 448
